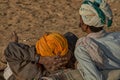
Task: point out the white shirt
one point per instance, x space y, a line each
98 51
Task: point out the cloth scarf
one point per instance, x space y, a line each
51 44
96 13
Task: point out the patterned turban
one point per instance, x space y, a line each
96 13
51 44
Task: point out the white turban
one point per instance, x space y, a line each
96 13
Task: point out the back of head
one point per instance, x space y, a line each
51 44
96 13
72 39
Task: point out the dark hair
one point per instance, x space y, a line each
72 39
95 29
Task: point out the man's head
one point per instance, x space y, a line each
87 28
94 14
53 47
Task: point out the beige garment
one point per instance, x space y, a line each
7 72
112 75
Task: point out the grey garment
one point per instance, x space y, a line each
12 77
21 59
67 74
1 75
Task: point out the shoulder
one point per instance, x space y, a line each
115 34
81 45
83 41
112 36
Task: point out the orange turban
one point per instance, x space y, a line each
51 44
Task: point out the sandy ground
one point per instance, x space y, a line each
31 18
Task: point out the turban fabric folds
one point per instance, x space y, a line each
51 44
96 13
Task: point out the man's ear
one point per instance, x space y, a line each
88 29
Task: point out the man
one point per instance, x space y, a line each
99 51
25 64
